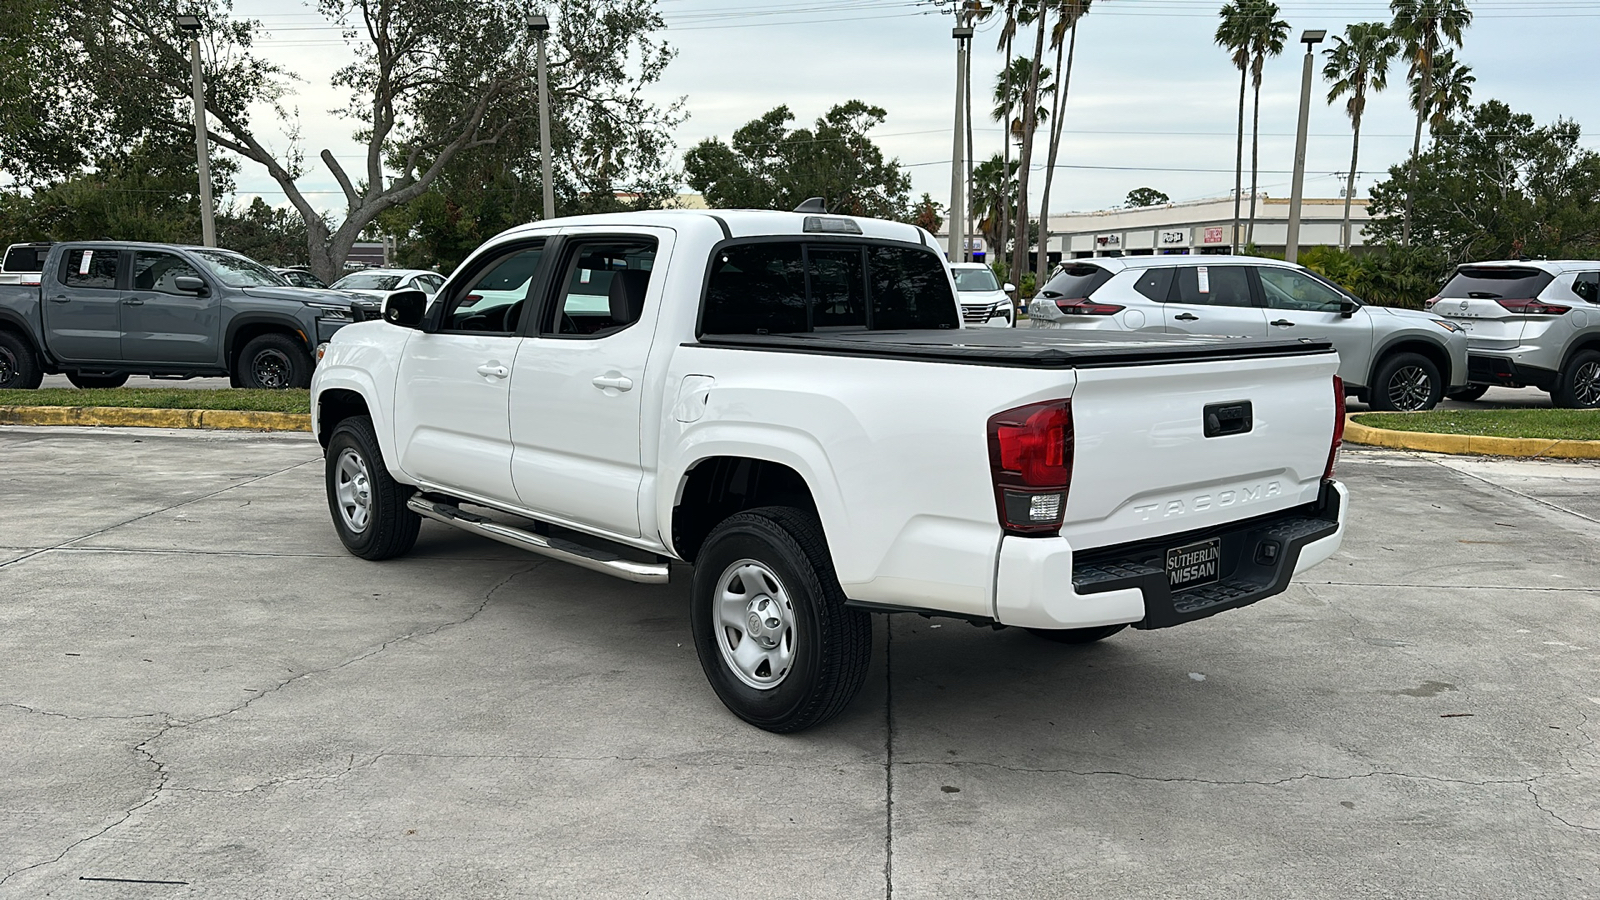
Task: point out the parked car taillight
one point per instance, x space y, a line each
1086 307
1338 427
1030 458
1534 307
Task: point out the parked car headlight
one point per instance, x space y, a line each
1451 327
330 311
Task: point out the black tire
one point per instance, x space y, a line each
1469 393
389 529
829 645
86 382
273 361
1077 635
19 365
1406 382
1578 386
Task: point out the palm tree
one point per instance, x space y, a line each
1030 123
1425 25
1012 10
1267 36
1358 62
1233 35
1452 90
993 185
1010 110
1065 31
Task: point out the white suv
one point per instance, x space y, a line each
984 302
1529 323
1394 359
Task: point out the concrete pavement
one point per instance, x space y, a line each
202 693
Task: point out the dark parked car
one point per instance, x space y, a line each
106 310
301 278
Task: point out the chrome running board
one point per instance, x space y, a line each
591 558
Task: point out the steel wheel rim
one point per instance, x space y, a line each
1409 388
1586 384
352 488
271 368
755 624
8 367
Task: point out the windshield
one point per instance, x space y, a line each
239 271
975 280
366 281
1496 282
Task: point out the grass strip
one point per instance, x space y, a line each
1547 424
289 401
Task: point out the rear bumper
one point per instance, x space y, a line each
1042 584
1485 368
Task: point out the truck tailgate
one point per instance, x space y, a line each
1144 465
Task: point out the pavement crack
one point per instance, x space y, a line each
1534 793
1218 782
71 718
1513 491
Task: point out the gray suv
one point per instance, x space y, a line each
1393 359
1529 322
103 310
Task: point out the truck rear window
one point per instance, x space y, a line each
790 287
1496 282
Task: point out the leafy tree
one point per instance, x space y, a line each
1385 276
769 166
1145 197
927 214
1358 62
1494 185
1425 26
265 233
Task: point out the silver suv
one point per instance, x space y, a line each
1529 323
1394 359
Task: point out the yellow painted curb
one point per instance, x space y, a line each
133 417
1469 444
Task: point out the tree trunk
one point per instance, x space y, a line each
1238 166
1416 148
1350 183
1005 164
1030 111
1064 82
1255 164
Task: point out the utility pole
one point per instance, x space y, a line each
539 24
956 215
190 25
1291 250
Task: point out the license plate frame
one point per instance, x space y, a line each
1194 565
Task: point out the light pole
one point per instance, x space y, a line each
1291 250
190 25
539 24
956 215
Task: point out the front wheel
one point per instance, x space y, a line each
86 382
368 505
1407 382
1579 384
1077 635
1469 393
19 367
773 635
274 362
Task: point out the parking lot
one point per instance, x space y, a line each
203 695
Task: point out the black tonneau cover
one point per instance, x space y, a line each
1031 348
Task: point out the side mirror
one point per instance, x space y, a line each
189 284
405 308
1347 308
1009 288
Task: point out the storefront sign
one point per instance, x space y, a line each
1215 235
1108 241
1178 238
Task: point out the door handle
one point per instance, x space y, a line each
1284 323
61 298
613 382
1187 317
493 371
133 301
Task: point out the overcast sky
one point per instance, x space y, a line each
1153 99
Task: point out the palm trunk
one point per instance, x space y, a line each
1416 149
1042 261
1238 166
1255 164
1030 112
1005 165
1350 183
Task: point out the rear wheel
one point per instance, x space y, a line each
19 367
1077 635
85 382
1579 384
1469 393
1407 382
770 625
274 362
368 506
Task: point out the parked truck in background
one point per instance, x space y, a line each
790 404
102 311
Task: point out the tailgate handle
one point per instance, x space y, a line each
1223 419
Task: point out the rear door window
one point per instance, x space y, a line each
604 287
1076 282
94 267
1213 286
1496 283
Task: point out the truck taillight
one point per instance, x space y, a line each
1086 307
1534 307
1338 427
1030 458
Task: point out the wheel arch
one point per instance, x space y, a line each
334 405
715 487
1431 350
1586 342
17 325
246 328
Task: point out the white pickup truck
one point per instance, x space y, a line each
789 403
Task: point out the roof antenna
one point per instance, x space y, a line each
812 205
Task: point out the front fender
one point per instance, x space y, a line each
368 369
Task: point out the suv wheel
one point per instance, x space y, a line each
770 625
1579 384
19 368
274 362
368 505
1406 382
85 382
